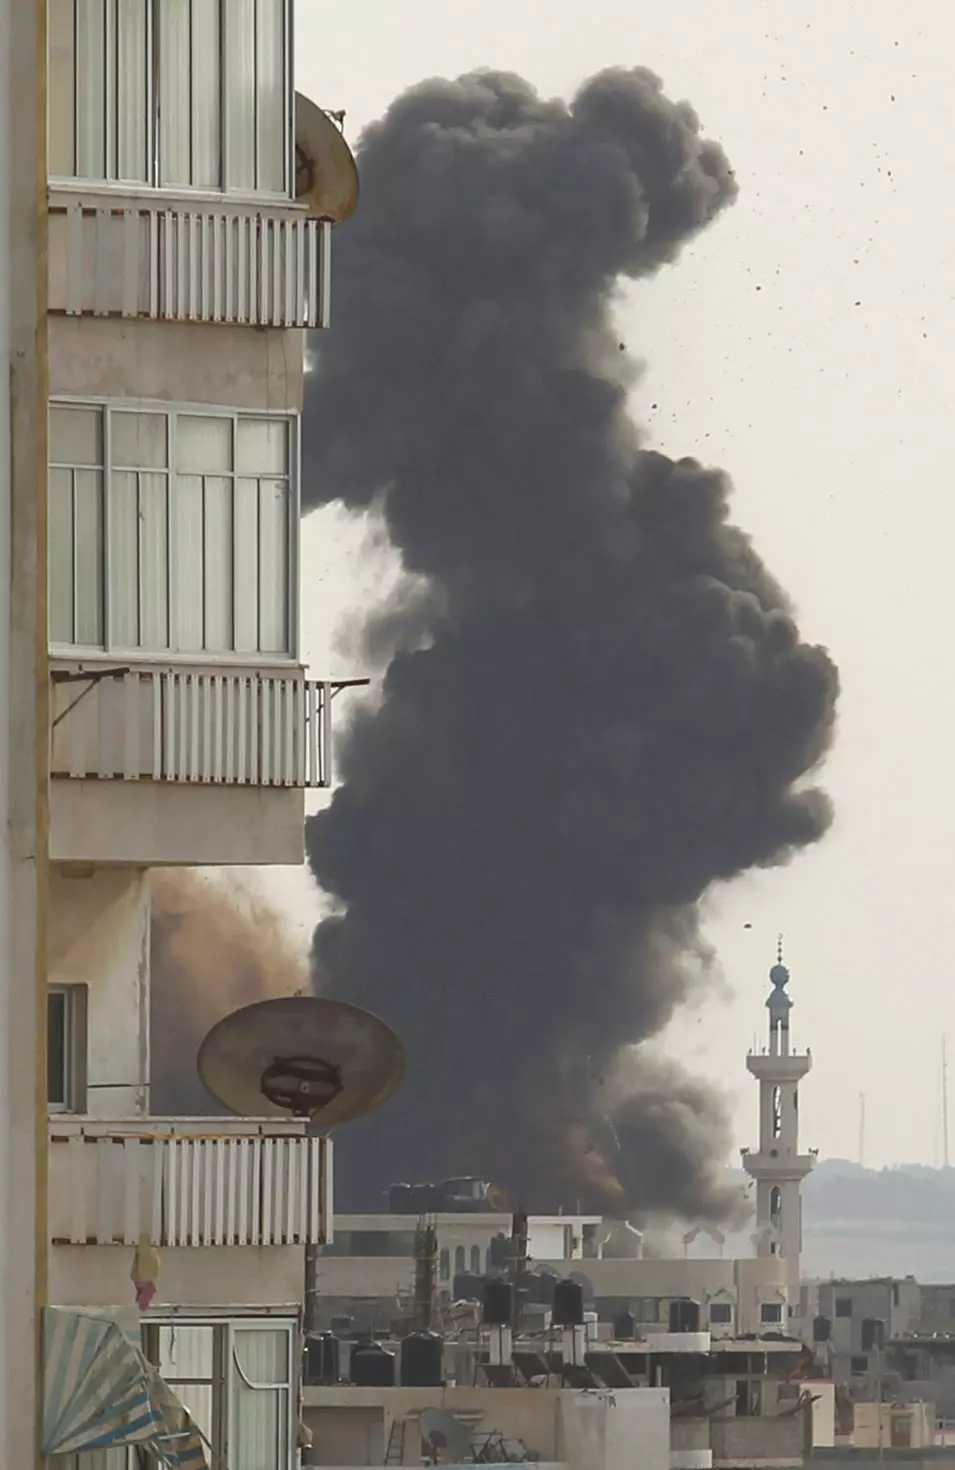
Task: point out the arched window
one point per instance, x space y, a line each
775 1206
475 1260
458 1259
777 1111
444 1265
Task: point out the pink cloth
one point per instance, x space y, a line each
145 1291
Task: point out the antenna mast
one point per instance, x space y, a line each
861 1128
945 1159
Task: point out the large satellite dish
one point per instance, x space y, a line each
444 1438
304 1057
326 174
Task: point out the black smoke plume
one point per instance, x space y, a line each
610 707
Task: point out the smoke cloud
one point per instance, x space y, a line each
602 705
215 946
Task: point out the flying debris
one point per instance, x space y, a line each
598 702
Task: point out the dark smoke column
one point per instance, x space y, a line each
603 707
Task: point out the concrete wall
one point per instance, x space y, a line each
23 718
823 1413
162 824
202 1277
99 937
767 1442
936 1308
601 1431
351 1426
364 1276
179 362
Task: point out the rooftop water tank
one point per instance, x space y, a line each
422 1360
372 1366
568 1304
498 1303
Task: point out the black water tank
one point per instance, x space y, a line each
499 1252
422 1360
322 1358
821 1329
624 1327
873 1335
498 1303
466 1287
421 1198
684 1315
400 1199
372 1366
568 1309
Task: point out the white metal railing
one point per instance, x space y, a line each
195 1182
220 728
172 262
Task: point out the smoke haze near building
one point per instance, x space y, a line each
600 703
215 945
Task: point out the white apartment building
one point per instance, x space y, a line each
367 1271
181 270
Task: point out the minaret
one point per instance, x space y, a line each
778 1167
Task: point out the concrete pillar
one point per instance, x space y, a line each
23 722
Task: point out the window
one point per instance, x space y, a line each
66 1048
721 1313
860 1363
775 1206
475 1260
777 1111
188 94
770 1312
172 530
236 1379
843 1306
458 1260
444 1266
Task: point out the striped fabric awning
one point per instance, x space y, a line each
99 1390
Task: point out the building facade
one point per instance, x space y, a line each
183 729
367 1272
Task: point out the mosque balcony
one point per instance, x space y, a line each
187 1182
779 1068
778 1167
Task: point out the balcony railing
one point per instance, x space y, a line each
240 729
196 1182
175 262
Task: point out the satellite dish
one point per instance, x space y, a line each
443 1437
301 1056
326 174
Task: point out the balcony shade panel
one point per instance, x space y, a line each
100 1392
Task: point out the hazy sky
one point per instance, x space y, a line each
805 345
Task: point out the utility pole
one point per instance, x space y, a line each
24 725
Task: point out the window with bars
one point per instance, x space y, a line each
237 1380
192 94
172 530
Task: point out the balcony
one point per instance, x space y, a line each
180 725
181 261
195 1182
